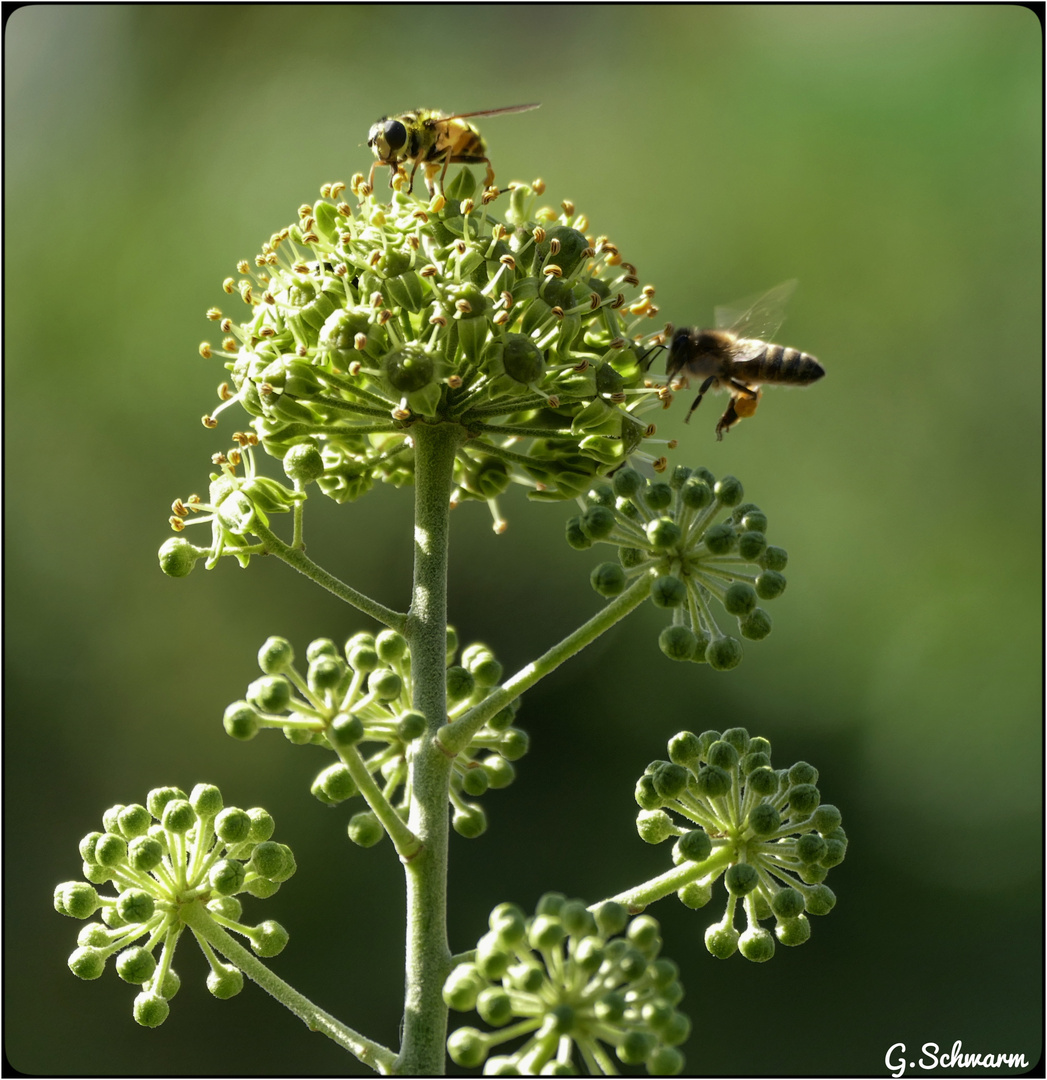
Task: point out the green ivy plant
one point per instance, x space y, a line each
448 348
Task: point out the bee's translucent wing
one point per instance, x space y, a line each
756 318
494 112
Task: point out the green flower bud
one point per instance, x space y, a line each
365 830
135 965
241 721
303 463
178 557
668 591
225 981
723 654
608 579
150 1009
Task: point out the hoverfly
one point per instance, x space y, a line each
734 357
428 136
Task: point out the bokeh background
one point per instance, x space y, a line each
889 157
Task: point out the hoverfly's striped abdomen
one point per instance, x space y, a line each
781 364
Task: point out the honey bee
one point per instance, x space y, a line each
733 357
427 135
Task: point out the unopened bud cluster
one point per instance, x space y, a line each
765 831
577 986
358 700
365 320
175 851
700 543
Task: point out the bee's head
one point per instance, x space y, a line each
680 350
387 138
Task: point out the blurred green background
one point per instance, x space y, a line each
888 157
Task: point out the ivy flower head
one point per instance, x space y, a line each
766 832
700 545
357 701
172 853
572 983
524 329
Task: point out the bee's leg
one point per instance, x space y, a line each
729 419
701 393
748 391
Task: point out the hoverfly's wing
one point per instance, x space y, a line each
493 112
757 318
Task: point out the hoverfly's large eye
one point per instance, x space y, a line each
395 134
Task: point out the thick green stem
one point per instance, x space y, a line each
428 960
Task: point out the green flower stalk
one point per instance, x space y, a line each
175 853
570 982
765 831
699 543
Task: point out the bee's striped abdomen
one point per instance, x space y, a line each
781 364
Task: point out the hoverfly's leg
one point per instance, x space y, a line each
489 178
443 175
370 175
701 393
729 419
410 186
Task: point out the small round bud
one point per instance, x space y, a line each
770 585
135 906
678 642
803 800
460 684
232 825
390 646
741 879
658 495
178 816
626 482
724 653
469 821
303 463
576 536
756 625
334 784
729 491
695 895
206 800
275 655
262 824
365 830
345 731
110 849
663 533
271 693
608 579
385 684
462 987
695 493
467 1047
269 938
227 876
739 599
787 903
225 981
694 845
764 819
751 545
133 821
720 539
241 721
178 557
597 522
135 965
793 931
77 899
325 673
721 941
150 1009
410 726
756 944
668 591
87 962
654 826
